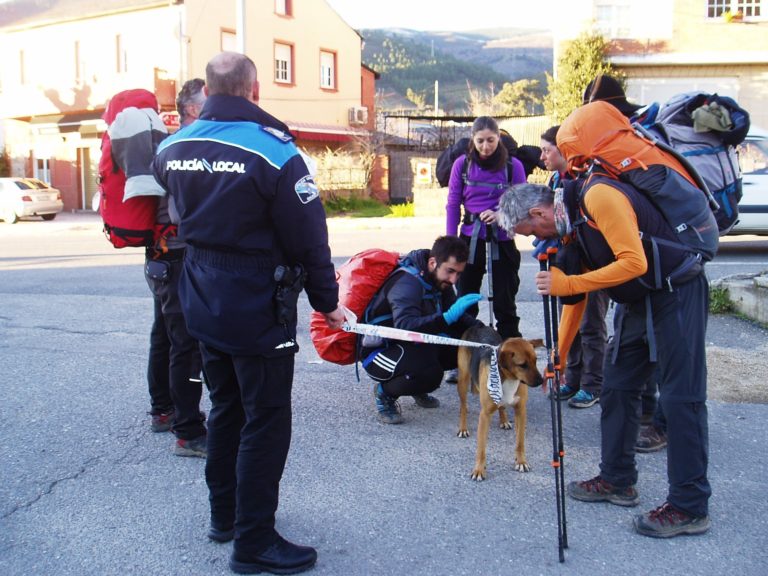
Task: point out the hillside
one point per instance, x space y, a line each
410 59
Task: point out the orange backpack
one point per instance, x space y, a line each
597 138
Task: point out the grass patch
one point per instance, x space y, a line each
365 208
720 301
402 210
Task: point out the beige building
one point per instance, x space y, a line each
62 64
670 46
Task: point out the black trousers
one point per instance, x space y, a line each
173 370
249 434
584 367
679 326
406 369
505 283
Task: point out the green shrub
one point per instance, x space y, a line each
719 301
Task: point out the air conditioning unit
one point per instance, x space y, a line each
358 115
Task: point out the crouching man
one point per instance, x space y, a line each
419 296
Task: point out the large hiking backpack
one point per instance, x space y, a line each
711 153
359 280
128 192
597 137
529 156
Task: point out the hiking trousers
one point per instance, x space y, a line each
173 370
506 281
584 368
679 327
249 433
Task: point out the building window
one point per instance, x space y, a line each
327 70
613 19
229 41
283 63
746 8
284 7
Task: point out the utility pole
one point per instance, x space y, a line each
436 89
240 25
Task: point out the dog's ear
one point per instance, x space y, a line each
537 343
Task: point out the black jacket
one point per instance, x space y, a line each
246 204
411 302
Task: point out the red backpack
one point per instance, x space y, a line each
130 222
359 279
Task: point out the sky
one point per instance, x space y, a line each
449 15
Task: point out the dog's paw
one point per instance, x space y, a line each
463 433
505 425
478 475
522 466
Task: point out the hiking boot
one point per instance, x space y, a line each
426 401
583 399
650 439
667 521
452 376
388 407
566 392
598 490
163 421
195 447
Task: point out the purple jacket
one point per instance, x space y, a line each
475 198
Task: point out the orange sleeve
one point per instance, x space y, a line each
614 217
570 321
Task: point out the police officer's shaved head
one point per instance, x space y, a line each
232 74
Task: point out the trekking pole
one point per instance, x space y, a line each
553 400
489 267
551 254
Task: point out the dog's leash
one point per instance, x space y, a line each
553 381
494 379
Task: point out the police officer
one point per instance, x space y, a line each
255 228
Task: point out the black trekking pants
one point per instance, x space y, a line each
679 325
584 368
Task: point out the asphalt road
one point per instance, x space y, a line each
87 489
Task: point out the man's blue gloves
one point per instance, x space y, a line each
460 306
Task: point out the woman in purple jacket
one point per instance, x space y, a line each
478 179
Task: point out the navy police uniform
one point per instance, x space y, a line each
246 204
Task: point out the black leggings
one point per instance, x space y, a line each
506 281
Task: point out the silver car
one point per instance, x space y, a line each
753 207
22 197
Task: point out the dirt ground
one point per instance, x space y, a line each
737 376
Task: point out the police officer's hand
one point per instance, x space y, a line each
334 319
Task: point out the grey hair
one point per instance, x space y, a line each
516 203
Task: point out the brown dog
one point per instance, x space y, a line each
517 365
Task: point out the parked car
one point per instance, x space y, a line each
22 197
753 208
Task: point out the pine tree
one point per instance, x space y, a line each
582 60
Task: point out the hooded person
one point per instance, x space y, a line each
608 89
